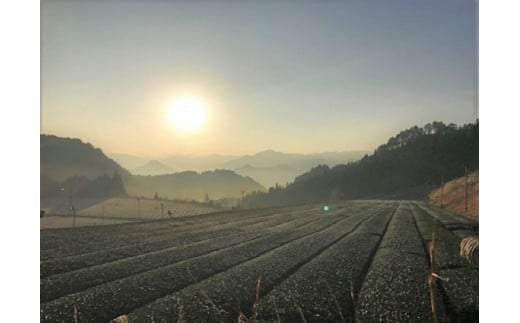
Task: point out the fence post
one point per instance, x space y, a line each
467 187
138 208
442 191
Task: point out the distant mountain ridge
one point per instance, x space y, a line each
272 158
271 167
67 161
153 167
268 167
408 166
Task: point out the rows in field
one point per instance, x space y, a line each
80 273
177 275
63 243
169 278
231 289
157 238
363 261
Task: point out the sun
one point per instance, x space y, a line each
187 114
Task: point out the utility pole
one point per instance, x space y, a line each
72 210
162 209
139 208
442 191
467 187
73 217
103 218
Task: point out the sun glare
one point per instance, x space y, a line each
187 114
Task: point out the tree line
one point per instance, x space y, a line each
408 166
81 186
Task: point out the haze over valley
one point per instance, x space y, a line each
268 167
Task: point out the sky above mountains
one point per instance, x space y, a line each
292 76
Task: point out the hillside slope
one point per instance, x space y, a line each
83 171
193 185
452 195
408 166
63 158
272 167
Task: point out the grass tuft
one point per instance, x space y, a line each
121 319
75 315
432 279
302 316
180 310
469 248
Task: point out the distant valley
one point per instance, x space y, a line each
267 167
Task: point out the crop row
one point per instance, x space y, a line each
450 220
58 285
447 244
123 295
152 231
458 287
223 296
57 243
395 286
170 240
324 289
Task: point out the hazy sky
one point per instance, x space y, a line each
294 76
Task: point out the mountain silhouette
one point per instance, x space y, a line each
153 167
408 166
83 168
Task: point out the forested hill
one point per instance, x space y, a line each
70 165
408 166
63 158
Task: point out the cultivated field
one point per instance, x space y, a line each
359 261
121 210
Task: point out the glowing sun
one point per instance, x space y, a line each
187 114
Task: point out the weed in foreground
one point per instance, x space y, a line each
338 308
469 248
122 319
242 318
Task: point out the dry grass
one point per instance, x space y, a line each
180 310
242 318
75 315
432 279
122 319
469 248
452 195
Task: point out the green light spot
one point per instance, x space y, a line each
325 208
